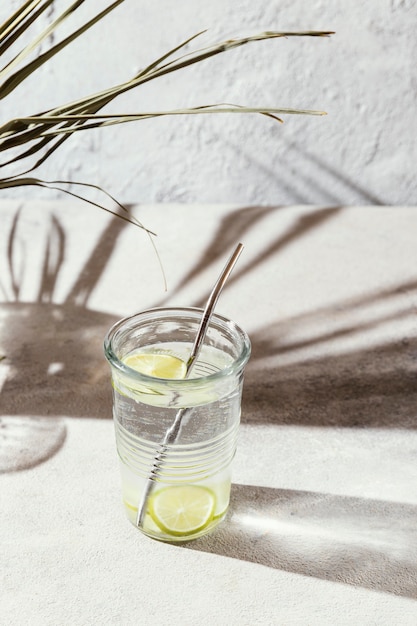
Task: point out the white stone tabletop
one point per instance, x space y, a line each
322 527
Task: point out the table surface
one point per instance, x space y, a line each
323 518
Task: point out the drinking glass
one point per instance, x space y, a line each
180 490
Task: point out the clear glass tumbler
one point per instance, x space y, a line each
179 490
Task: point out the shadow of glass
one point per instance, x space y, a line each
364 543
28 441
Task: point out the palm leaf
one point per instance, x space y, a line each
61 119
40 135
16 79
19 22
21 181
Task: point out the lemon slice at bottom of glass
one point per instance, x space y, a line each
182 510
156 364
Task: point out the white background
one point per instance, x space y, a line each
363 152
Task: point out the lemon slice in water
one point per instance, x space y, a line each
156 364
182 510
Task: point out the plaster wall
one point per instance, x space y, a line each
363 152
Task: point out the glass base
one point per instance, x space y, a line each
151 529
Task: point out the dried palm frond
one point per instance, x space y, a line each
39 135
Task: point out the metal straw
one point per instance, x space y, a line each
173 430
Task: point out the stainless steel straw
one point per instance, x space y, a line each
172 432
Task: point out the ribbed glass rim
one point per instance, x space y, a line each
193 313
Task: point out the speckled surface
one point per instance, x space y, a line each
365 77
324 507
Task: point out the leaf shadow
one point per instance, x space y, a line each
372 386
52 364
303 225
313 181
233 228
55 366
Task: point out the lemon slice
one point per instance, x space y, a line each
157 365
182 510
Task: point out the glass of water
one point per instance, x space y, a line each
180 490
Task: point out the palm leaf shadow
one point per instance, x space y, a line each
231 230
273 341
234 227
301 186
303 226
371 386
53 353
50 264
328 170
90 275
53 259
15 280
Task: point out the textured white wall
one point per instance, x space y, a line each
365 77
